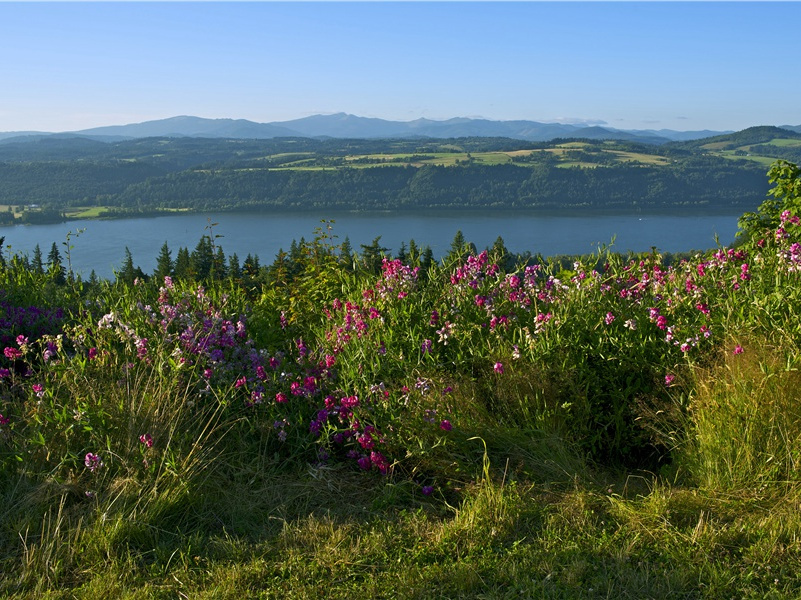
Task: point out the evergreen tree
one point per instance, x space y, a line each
403 256
346 254
234 270
372 254
164 264
127 273
219 269
203 259
55 268
278 272
500 254
183 265
427 259
37 264
459 249
414 253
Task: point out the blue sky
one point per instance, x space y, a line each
678 65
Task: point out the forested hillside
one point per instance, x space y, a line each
53 177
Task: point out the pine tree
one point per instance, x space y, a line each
219 270
36 264
234 270
372 255
183 265
203 258
127 273
458 251
55 268
164 264
403 256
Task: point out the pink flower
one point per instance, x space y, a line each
281 398
498 368
738 349
12 353
669 379
146 439
92 462
609 318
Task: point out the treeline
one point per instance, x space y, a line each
706 182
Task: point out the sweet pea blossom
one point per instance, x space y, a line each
92 461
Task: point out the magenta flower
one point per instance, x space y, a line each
12 353
445 425
281 398
39 389
738 349
92 462
609 318
669 379
3 420
498 368
146 439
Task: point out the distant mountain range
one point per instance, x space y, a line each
342 125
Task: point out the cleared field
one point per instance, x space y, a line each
763 160
785 143
648 159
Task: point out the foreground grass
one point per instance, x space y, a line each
326 533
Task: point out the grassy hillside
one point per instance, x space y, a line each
616 427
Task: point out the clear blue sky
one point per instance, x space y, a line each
677 65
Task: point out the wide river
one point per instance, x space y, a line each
101 245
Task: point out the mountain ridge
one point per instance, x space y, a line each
345 125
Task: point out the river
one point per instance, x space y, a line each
101 244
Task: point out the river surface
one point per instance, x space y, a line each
101 244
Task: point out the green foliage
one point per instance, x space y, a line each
786 196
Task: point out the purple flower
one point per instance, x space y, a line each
92 462
427 490
445 425
425 347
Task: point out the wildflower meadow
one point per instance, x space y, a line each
340 423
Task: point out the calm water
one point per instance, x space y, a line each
101 246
